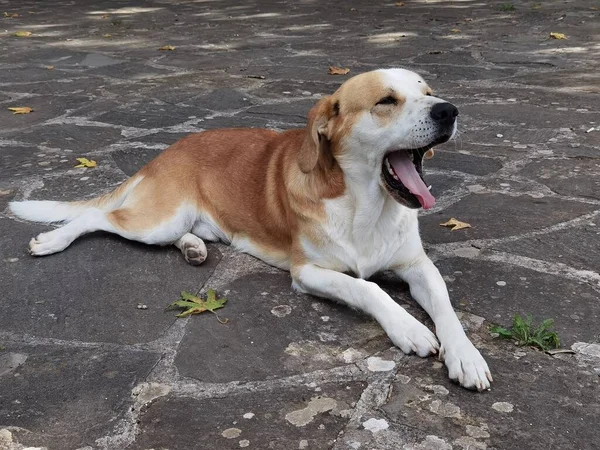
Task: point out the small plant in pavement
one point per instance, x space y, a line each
524 332
506 7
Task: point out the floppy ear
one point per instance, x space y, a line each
316 140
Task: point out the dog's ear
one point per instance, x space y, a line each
316 142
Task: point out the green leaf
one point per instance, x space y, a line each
502 331
182 304
192 304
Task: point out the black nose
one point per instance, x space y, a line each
444 113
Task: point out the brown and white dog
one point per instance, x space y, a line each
340 196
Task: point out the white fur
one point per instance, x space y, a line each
45 211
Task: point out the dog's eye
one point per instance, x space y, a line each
389 100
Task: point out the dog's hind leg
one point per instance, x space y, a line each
57 240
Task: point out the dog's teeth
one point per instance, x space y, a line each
429 187
391 171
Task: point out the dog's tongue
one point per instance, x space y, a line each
407 172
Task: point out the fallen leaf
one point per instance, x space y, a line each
192 304
333 70
455 224
22 33
429 153
399 3
455 30
167 48
11 15
105 16
49 67
107 36
20 109
84 162
558 36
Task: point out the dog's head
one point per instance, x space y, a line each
380 124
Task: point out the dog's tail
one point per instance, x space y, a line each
51 211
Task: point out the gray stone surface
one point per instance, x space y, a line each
280 419
81 367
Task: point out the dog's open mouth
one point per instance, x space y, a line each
402 175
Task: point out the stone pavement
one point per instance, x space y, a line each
81 367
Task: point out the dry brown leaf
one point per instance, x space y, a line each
84 162
22 33
429 153
558 36
20 109
455 30
105 16
11 15
334 70
399 3
455 224
167 48
49 67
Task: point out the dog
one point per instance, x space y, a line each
332 203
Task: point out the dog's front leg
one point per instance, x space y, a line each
465 363
404 330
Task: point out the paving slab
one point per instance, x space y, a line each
82 368
298 417
498 215
273 332
79 295
64 397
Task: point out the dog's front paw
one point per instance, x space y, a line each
412 336
466 365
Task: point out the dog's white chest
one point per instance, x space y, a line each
362 243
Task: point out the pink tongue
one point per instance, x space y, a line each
407 172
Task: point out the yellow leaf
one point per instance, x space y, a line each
558 36
455 224
107 36
399 3
11 15
333 70
429 154
167 48
84 162
20 109
49 67
455 30
22 33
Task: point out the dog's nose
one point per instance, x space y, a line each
444 113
